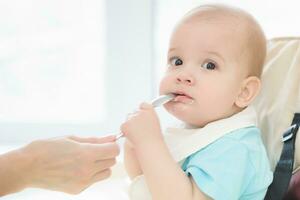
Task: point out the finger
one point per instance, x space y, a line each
130 117
102 151
101 175
93 140
145 105
132 114
101 165
98 176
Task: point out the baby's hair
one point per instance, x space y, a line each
254 40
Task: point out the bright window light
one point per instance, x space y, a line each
51 58
72 66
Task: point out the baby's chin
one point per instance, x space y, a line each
181 111
184 113
177 108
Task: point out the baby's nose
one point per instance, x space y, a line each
185 78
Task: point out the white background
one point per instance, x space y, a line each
72 66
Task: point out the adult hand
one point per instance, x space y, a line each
69 164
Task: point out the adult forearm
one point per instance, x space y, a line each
163 175
14 167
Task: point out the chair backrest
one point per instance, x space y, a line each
293 192
279 98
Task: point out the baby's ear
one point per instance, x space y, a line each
249 90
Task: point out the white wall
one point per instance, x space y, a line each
126 79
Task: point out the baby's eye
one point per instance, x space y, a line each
210 65
175 61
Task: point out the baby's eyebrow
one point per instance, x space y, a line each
172 49
216 54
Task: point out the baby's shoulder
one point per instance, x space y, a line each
238 156
243 144
248 138
243 138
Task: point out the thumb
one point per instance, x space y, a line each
93 140
145 106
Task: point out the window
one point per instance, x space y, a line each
72 67
51 61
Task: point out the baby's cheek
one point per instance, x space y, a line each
164 85
215 98
223 102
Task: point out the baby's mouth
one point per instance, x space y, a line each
183 98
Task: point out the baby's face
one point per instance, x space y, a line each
204 70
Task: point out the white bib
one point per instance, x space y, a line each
182 142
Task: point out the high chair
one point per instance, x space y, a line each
278 109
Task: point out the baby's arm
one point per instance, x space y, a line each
130 161
163 175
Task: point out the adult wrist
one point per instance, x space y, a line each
13 171
26 169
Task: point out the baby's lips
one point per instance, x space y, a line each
183 99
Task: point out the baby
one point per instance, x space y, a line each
215 59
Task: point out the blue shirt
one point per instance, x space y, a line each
233 167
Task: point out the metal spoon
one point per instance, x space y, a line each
155 103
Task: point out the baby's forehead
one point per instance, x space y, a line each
236 23
227 16
201 25
239 29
